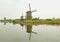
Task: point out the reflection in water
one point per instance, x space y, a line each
22 26
4 23
46 33
29 30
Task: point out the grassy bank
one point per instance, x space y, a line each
38 21
33 21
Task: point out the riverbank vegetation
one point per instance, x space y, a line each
33 21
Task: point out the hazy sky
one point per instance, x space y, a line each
14 8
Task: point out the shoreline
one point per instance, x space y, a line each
32 21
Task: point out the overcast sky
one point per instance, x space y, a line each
15 8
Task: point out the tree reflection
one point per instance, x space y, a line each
22 26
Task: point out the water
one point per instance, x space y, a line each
29 33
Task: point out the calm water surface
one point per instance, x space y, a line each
29 33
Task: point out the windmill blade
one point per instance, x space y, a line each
29 7
34 32
30 37
34 11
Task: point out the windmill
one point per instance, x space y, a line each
29 13
22 17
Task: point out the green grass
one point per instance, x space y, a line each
33 21
39 21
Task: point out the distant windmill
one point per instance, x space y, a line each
4 18
22 17
29 13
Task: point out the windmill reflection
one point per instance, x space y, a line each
4 23
29 30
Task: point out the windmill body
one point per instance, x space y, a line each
28 15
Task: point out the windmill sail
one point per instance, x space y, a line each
30 37
34 11
29 7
